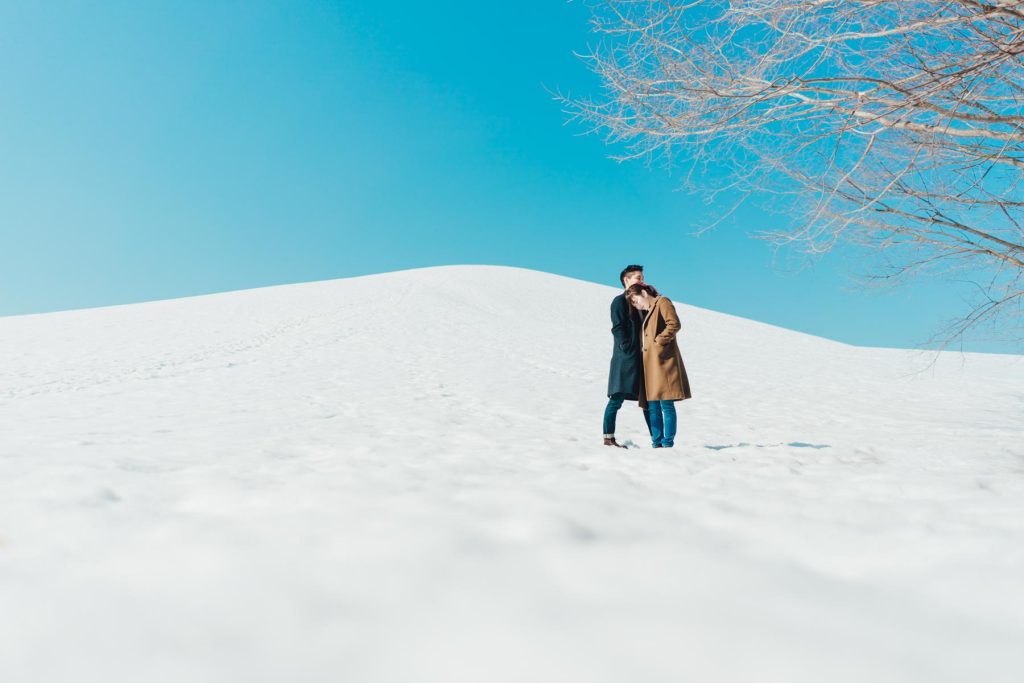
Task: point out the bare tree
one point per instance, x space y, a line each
895 125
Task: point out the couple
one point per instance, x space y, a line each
646 363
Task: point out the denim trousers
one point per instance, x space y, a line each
663 423
611 411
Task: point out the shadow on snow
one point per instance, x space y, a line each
792 444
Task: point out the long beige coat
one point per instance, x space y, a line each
664 373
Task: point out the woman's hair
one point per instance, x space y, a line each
635 290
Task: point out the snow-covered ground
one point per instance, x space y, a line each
401 478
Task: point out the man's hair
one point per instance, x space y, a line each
627 270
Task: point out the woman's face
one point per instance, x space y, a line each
641 301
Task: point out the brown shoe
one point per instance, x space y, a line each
610 441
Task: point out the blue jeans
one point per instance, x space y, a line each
611 411
663 423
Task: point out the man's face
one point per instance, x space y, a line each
633 278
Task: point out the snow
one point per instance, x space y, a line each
401 478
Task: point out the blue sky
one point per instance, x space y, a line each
155 150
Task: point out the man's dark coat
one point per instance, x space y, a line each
627 369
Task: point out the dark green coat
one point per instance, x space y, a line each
627 370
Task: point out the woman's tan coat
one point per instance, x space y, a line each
664 373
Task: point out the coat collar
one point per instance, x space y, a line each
653 306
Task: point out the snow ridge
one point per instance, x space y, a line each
399 477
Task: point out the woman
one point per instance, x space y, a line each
665 378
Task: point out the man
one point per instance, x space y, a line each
627 371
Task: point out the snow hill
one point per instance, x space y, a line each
401 478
